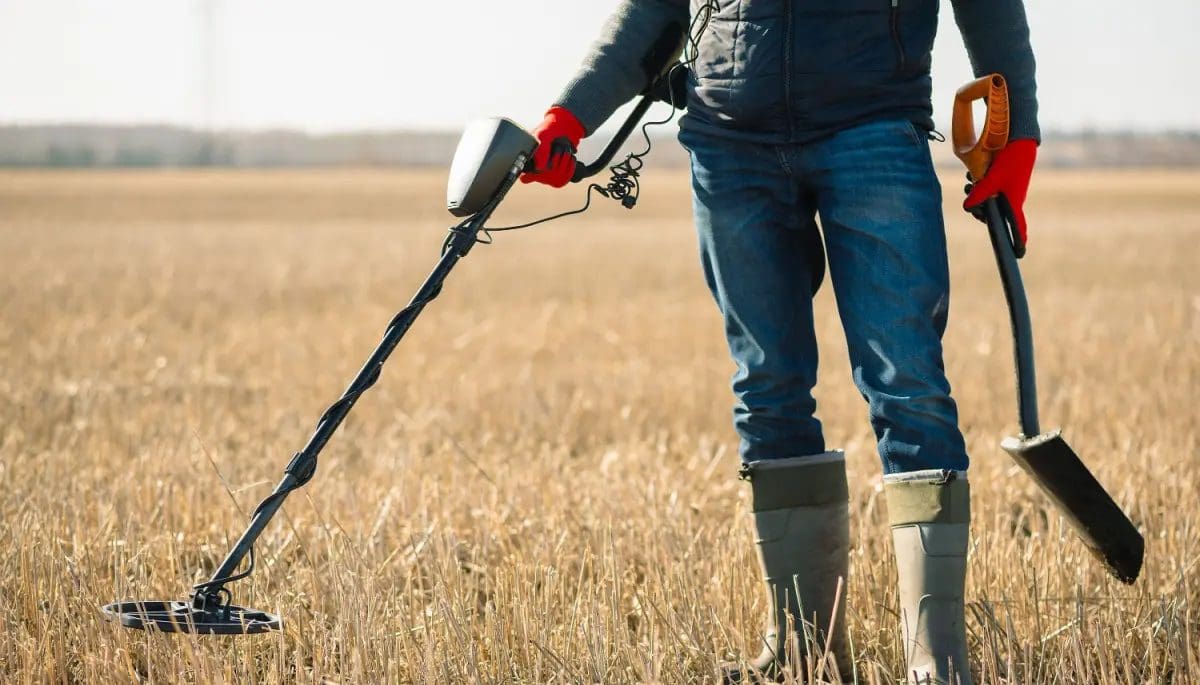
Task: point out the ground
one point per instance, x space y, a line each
542 487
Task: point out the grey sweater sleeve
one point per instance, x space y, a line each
614 71
996 34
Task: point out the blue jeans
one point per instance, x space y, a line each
879 202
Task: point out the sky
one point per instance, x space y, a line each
322 66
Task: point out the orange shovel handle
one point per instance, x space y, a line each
974 152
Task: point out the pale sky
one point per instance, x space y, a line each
321 65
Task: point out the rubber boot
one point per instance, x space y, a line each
930 513
801 517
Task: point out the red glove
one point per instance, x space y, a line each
1008 176
558 139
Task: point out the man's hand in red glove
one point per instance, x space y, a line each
1009 177
558 139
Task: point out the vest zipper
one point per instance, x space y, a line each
787 67
895 26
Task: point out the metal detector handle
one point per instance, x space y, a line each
583 171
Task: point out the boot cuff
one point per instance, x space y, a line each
814 480
940 497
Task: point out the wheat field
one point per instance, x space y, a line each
542 487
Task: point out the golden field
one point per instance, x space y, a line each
542 487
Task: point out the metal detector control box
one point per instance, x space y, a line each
485 154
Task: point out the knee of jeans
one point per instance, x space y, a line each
769 390
906 399
903 368
900 320
915 385
927 411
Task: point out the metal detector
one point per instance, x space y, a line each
491 155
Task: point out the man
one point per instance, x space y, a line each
807 108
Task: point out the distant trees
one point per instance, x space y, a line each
137 156
59 155
213 152
151 146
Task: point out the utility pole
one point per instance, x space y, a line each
207 154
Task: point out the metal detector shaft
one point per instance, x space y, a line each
300 468
303 465
1018 311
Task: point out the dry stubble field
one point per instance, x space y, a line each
542 486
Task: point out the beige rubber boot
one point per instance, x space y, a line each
801 516
930 513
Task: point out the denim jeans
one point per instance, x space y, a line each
879 202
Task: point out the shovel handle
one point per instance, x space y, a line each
1019 318
976 150
976 153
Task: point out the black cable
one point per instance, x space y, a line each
624 185
621 185
586 203
219 583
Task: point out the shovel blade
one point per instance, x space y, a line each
1104 528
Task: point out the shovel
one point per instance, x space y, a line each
1046 457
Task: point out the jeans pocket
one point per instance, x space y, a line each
886 131
916 134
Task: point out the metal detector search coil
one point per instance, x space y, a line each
184 617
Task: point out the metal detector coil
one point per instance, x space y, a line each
184 617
